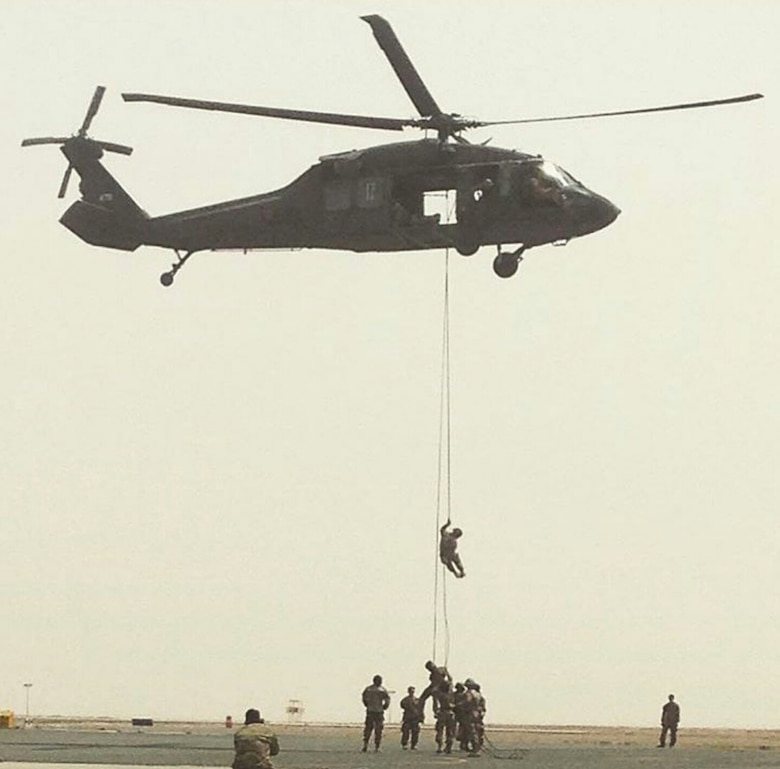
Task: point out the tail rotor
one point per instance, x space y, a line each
80 136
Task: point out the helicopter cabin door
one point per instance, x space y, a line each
357 208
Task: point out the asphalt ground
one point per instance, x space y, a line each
339 748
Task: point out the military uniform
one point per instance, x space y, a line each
448 550
670 717
437 676
411 720
461 710
478 707
444 710
376 700
254 744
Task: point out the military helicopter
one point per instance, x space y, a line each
374 199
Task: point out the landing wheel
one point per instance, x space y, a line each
505 265
167 277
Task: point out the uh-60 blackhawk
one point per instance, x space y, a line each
374 199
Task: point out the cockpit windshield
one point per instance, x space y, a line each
555 174
539 182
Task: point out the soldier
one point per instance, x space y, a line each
461 710
377 701
444 710
479 706
670 717
411 719
437 674
255 743
448 550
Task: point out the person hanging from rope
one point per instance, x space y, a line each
437 675
448 549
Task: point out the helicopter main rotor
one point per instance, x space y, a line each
447 125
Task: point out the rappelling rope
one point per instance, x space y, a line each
444 467
516 754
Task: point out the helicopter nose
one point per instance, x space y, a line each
591 212
608 210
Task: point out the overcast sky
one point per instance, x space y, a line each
223 494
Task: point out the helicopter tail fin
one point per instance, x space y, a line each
106 215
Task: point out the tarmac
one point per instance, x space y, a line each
338 746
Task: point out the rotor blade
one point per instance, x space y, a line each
65 180
668 108
44 140
360 121
120 149
94 106
402 65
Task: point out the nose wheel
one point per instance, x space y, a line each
506 262
167 277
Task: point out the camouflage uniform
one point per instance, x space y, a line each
412 718
460 709
438 675
254 744
377 700
478 710
444 710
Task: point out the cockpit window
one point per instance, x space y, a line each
555 174
541 183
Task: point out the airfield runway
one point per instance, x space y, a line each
328 747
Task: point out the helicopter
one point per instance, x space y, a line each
381 199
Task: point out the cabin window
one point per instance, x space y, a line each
337 196
370 193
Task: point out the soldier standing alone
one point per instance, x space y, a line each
377 701
670 717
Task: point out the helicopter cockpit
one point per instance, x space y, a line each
540 182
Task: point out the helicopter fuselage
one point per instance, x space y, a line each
393 197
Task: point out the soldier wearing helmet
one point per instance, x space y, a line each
254 743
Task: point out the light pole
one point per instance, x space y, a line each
27 688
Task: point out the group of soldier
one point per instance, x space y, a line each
458 710
459 713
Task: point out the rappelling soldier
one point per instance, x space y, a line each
448 549
437 674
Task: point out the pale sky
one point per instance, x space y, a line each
223 494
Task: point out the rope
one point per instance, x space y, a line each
443 469
512 754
